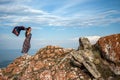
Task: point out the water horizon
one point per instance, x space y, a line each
8 55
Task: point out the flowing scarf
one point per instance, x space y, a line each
17 30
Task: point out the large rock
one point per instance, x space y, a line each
84 43
55 63
46 64
110 47
84 56
82 59
110 50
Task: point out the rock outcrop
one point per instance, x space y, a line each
84 56
110 50
46 64
84 43
110 47
57 63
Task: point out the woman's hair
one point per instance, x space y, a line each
28 28
27 31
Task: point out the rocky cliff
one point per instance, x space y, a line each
110 50
89 62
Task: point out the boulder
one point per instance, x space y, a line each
46 64
85 56
110 47
84 43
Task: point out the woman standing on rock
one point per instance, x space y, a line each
26 44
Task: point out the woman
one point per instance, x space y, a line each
26 44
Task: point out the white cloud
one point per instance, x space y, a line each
37 28
92 39
13 14
20 9
13 1
75 39
53 20
67 5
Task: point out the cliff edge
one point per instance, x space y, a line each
90 62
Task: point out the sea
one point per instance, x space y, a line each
8 55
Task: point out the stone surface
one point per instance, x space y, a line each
110 50
110 47
84 43
85 57
57 63
46 64
46 75
90 66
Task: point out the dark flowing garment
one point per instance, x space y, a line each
26 44
17 30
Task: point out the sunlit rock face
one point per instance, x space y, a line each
46 64
110 47
110 50
58 63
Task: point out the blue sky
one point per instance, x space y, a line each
57 22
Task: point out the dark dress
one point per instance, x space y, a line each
26 44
